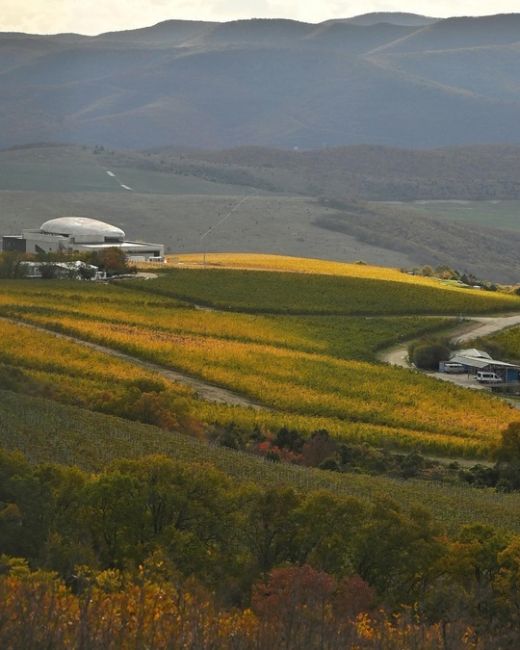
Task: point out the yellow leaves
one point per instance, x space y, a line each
364 628
255 261
352 399
243 624
282 263
287 363
42 613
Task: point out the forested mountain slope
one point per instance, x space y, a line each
400 81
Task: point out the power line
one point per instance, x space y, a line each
224 218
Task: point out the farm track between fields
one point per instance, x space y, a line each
203 390
477 327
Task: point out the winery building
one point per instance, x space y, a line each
68 234
473 361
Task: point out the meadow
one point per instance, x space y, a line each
492 214
78 169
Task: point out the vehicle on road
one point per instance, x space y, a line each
487 377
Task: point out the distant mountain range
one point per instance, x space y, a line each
392 79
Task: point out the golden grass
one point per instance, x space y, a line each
284 263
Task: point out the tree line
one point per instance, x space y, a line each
112 260
144 534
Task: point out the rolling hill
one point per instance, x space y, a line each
395 207
391 79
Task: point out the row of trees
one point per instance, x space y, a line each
447 273
292 608
199 525
320 449
111 260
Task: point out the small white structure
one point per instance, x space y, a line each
67 234
77 270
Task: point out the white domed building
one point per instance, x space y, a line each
80 234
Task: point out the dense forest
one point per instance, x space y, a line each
156 552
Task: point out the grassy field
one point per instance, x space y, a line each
48 432
78 169
174 200
278 224
490 214
306 369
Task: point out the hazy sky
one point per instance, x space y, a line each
95 16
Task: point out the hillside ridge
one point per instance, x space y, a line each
270 82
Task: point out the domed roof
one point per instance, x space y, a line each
81 226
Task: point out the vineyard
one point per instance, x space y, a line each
341 336
306 293
310 372
149 442
504 345
48 432
282 263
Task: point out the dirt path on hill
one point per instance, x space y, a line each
488 325
476 327
203 389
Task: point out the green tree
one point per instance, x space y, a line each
268 526
397 552
508 458
327 529
112 260
10 265
187 510
427 356
115 512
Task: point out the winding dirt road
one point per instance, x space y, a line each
203 390
396 356
478 326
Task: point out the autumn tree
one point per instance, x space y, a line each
508 458
112 260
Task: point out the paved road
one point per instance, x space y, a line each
203 390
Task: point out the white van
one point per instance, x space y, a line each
453 368
486 377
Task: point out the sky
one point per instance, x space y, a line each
96 16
